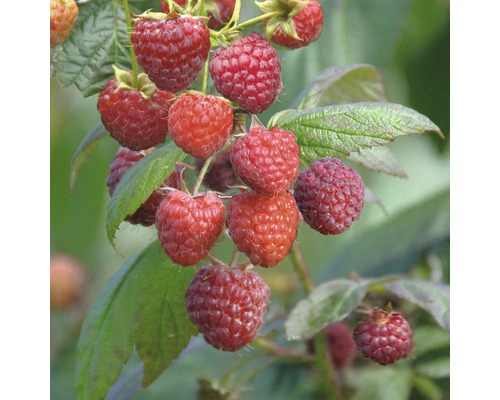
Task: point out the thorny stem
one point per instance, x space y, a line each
132 53
323 362
201 175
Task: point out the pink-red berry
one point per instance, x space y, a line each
188 227
171 51
146 213
264 228
330 196
384 337
227 305
248 72
134 120
220 12
200 124
267 161
63 15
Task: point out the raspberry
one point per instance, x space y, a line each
200 124
384 337
171 51
227 305
300 24
220 12
63 15
330 196
164 5
135 117
220 174
248 72
267 161
146 213
67 280
188 226
263 228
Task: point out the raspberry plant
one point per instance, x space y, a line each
207 160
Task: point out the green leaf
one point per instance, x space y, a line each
98 41
138 182
438 368
343 85
429 338
432 297
166 329
328 303
384 383
127 305
427 387
85 148
339 130
379 159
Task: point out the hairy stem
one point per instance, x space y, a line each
132 53
201 175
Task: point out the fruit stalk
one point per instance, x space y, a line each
132 53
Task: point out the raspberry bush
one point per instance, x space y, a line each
235 193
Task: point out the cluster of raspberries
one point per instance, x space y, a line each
270 196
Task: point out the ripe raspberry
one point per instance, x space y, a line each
384 337
300 23
220 12
135 117
188 226
267 161
200 124
171 51
248 72
164 5
67 281
330 196
146 213
227 305
220 174
63 15
263 228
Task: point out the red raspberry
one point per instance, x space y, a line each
248 72
263 228
300 24
227 305
171 51
63 15
200 124
188 226
267 161
164 5
330 196
220 12
384 337
220 174
67 281
136 119
146 213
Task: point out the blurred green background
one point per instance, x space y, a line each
409 42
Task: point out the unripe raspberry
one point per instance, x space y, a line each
171 51
63 15
220 174
227 305
248 72
384 337
200 124
263 228
146 213
188 227
330 196
267 161
67 280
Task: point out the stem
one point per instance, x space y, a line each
205 78
277 350
301 268
249 22
132 53
201 175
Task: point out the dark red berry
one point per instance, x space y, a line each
171 51
267 161
188 227
227 305
330 196
146 213
220 174
263 228
384 337
248 72
220 12
200 124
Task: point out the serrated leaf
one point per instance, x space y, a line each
343 85
166 329
379 159
430 296
138 182
98 41
328 303
339 130
383 383
85 148
121 309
